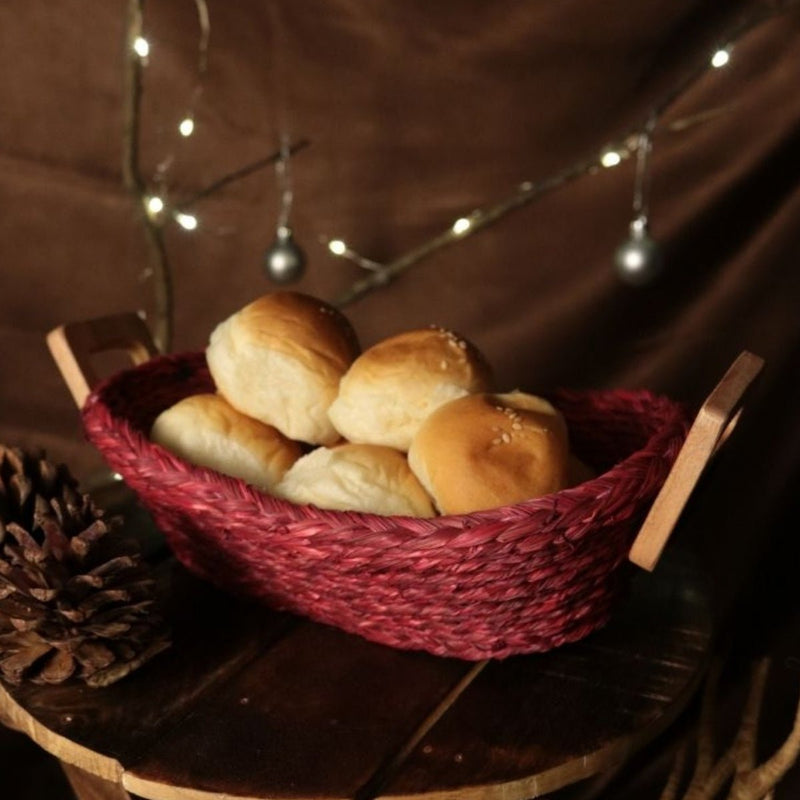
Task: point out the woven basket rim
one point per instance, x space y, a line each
269 504
533 575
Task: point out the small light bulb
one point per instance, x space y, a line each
186 126
461 225
337 247
155 205
720 58
610 158
187 221
141 47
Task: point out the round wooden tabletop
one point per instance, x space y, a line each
252 703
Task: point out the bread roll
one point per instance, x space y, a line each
357 477
207 431
488 450
391 387
279 360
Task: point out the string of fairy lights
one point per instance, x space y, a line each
637 261
155 202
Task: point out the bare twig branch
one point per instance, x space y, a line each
132 98
709 775
530 191
673 783
759 782
161 270
705 735
132 179
241 172
527 192
750 782
747 737
205 34
717 778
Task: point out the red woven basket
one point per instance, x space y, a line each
518 579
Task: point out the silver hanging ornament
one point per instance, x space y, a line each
639 259
284 260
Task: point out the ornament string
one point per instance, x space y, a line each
284 261
641 185
639 259
284 178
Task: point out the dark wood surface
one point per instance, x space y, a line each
253 703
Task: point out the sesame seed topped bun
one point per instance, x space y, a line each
489 450
395 384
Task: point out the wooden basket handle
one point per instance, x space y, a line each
73 346
709 431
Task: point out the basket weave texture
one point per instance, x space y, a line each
519 579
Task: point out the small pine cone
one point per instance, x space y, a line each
76 599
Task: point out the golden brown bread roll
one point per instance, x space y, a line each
357 477
488 450
280 359
207 431
391 387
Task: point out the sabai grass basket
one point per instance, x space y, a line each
518 579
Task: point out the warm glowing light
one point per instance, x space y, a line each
155 205
610 158
337 247
141 47
461 225
187 221
186 126
720 58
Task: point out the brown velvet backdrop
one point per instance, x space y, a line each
419 112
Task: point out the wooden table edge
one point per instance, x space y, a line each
107 768
526 788
17 718
566 774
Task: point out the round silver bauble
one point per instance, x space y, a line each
284 261
639 259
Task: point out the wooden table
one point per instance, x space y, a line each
251 703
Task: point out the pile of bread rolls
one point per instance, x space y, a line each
410 426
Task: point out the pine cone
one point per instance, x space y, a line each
76 599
